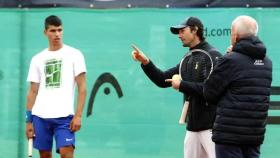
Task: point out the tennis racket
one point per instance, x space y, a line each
30 147
196 65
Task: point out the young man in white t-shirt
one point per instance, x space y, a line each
53 75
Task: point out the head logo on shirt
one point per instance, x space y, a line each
53 73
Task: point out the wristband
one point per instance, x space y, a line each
28 117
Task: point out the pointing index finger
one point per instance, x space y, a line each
135 48
168 80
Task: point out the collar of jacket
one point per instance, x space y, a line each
200 45
251 46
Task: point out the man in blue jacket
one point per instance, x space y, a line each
240 87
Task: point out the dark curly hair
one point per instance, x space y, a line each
52 20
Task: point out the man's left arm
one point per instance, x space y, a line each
190 88
81 84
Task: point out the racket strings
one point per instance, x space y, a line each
205 68
201 67
196 67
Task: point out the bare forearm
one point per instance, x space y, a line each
80 102
30 100
31 96
81 83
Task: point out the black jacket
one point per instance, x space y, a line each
200 116
240 86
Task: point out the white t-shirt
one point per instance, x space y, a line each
56 72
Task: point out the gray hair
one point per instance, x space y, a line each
245 26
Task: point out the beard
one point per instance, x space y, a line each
186 44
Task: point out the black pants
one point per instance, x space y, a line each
234 151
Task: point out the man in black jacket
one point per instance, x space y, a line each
198 143
240 87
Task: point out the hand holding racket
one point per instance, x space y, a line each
138 55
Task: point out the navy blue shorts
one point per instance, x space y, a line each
237 151
46 129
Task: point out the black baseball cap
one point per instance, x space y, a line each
191 21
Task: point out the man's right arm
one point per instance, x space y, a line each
32 94
31 97
157 76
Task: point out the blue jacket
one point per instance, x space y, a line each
240 87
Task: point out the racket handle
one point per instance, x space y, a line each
30 147
183 116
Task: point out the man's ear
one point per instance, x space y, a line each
237 37
195 29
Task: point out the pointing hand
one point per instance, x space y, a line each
138 55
